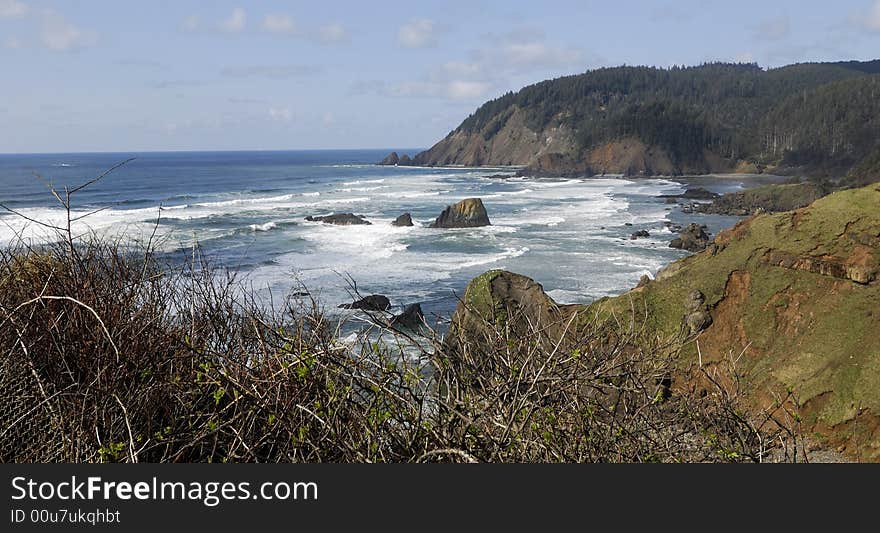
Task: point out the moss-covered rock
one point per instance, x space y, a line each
501 301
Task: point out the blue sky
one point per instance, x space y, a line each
103 75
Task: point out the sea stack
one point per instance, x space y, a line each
468 213
403 220
390 159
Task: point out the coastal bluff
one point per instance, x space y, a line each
792 297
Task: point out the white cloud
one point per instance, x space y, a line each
12 9
452 90
417 33
280 114
538 55
462 68
59 35
53 31
235 22
873 19
279 24
466 90
866 19
332 33
502 64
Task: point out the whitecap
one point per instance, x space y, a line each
362 182
263 227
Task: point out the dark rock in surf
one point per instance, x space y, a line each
403 220
411 317
341 219
697 193
373 302
693 238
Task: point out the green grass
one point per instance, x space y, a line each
833 344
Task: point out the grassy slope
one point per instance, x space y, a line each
814 333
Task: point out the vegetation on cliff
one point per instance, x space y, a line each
789 299
819 118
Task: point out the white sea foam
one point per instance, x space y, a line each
564 296
508 253
361 189
361 182
263 227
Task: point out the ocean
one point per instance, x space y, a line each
246 211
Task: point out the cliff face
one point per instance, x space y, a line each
555 150
791 297
815 118
506 140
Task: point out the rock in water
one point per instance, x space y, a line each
692 238
468 213
405 161
342 219
373 302
698 193
390 159
403 220
411 317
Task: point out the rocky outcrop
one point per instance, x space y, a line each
373 302
697 317
341 219
697 193
641 234
468 213
412 317
693 238
836 267
403 220
390 159
503 301
767 198
393 159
